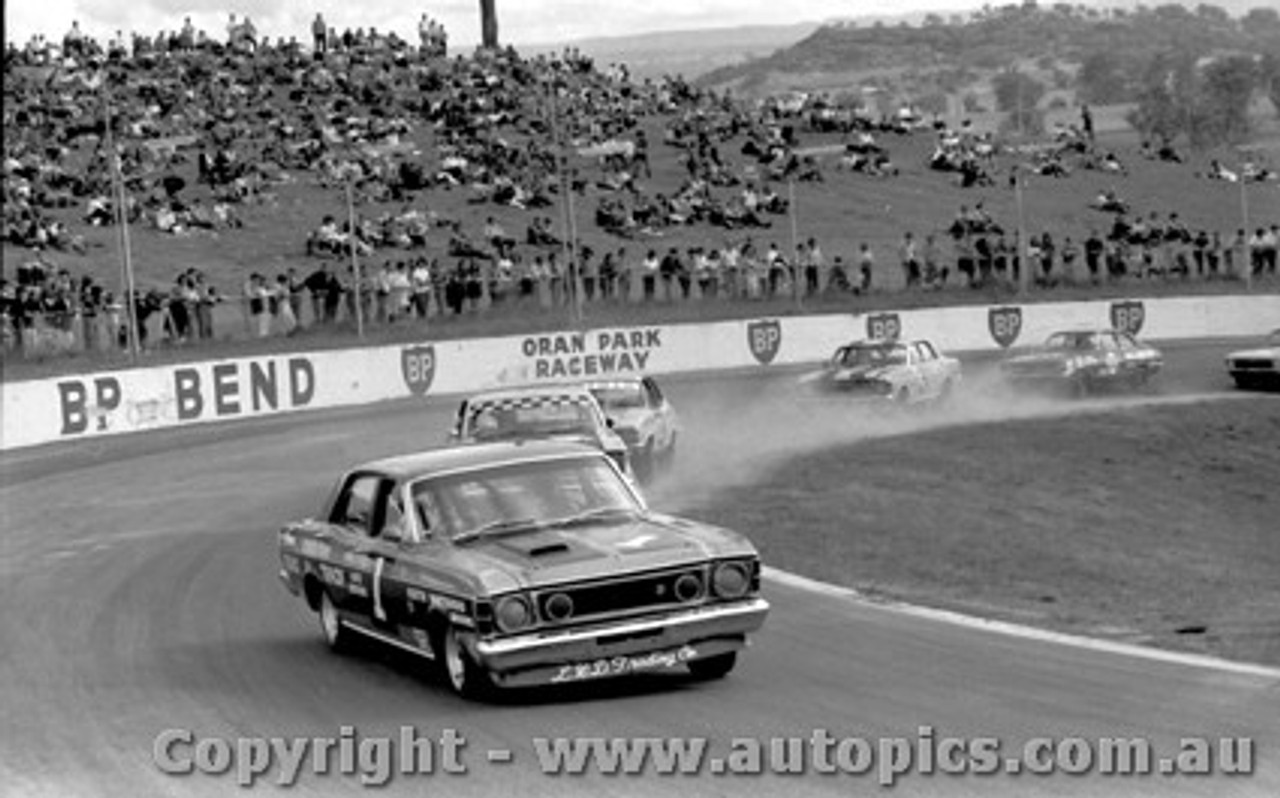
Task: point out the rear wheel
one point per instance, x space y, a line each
465 677
716 667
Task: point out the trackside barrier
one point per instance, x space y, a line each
118 402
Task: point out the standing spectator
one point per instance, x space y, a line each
1093 248
320 35
650 273
282 307
1258 252
1069 254
910 259
401 290
866 265
420 280
935 275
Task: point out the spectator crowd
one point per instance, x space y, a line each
185 131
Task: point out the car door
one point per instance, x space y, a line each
1115 368
1141 361
388 549
927 365
355 514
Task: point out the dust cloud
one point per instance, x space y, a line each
734 432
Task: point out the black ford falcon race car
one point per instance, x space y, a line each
516 564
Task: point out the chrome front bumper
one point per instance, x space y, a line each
614 649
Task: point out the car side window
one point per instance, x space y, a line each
393 512
458 422
355 509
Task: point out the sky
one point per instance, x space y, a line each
519 21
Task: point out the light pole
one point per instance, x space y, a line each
357 283
122 219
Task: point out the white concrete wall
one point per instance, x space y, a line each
134 400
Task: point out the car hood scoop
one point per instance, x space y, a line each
600 546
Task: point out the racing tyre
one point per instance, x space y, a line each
644 464
464 676
337 636
716 667
948 393
669 453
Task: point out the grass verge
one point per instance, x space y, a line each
1153 525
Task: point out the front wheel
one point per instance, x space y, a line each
466 678
716 667
644 465
337 636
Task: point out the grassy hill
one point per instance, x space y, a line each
958 55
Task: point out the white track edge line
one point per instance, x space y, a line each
1019 630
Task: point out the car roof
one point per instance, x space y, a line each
531 391
877 343
466 457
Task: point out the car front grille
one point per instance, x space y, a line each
1253 364
624 595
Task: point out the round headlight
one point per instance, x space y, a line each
730 580
688 587
513 614
558 607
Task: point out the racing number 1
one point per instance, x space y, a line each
378 612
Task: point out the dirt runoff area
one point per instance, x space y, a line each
1157 525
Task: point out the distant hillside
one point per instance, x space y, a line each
689 53
956 53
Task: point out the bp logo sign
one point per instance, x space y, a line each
418 367
887 326
1128 316
764 338
1005 323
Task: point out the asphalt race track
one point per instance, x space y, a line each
139 594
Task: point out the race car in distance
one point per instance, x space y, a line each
1081 362
560 412
521 564
905 372
1257 368
642 417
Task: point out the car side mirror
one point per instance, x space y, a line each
608 422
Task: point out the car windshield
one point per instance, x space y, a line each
1070 341
504 421
522 496
871 355
618 395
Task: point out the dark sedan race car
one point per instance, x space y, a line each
1082 362
522 564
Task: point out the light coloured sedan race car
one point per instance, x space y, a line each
539 412
905 372
1257 368
1082 362
521 564
643 417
